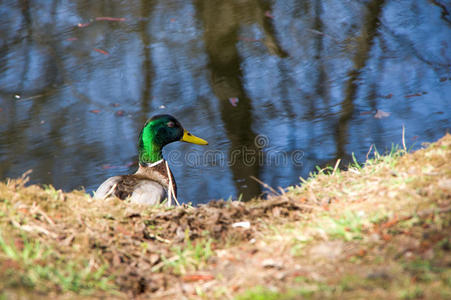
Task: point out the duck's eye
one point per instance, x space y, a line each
171 124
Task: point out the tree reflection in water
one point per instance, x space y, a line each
79 78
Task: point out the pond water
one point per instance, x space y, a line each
276 87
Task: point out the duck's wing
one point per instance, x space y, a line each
107 188
148 192
140 189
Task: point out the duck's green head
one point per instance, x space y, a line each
159 131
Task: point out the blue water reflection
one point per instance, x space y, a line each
79 78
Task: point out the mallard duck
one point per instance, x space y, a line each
153 182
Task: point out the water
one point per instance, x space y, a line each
276 87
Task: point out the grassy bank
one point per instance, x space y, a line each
381 230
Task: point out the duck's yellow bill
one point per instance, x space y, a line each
189 138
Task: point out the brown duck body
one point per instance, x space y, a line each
149 185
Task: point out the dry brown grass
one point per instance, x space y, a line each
379 231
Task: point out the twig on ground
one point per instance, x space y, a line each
404 137
336 166
369 151
265 185
110 192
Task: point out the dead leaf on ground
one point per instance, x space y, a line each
197 277
270 263
244 224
